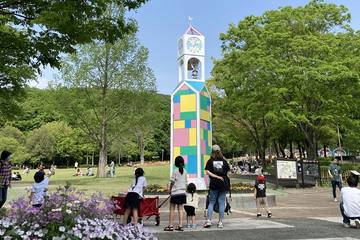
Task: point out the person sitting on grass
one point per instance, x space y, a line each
350 205
134 196
78 173
90 172
39 188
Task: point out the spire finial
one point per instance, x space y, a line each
190 19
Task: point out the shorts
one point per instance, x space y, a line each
178 199
190 211
132 200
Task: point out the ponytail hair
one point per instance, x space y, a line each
179 163
191 188
139 172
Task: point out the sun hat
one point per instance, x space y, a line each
215 148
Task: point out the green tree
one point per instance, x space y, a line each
33 34
299 64
41 144
143 120
100 78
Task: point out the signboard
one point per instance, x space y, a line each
286 169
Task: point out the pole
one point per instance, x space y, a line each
302 173
162 155
338 132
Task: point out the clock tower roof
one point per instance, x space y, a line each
192 31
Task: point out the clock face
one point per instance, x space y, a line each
194 45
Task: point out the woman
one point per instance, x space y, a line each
217 169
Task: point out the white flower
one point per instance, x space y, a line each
68 211
56 210
28 233
76 201
62 229
69 205
36 225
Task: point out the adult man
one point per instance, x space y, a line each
350 206
5 176
335 174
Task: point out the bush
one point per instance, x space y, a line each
66 214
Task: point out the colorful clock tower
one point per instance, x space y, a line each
191 127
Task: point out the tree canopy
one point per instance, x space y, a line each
34 33
291 68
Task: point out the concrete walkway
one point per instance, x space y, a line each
299 214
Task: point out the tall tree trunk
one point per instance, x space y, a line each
276 149
325 154
101 172
291 150
300 150
142 154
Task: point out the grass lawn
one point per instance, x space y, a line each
155 173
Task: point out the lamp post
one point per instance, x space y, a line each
162 154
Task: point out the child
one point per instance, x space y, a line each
192 203
177 192
260 193
134 195
39 188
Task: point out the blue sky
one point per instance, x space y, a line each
162 22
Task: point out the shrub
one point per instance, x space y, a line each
67 214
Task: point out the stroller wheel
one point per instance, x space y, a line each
157 219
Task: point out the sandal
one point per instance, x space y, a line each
169 229
178 228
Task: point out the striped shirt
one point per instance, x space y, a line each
5 173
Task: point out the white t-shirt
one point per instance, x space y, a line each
39 190
180 181
139 187
351 200
192 200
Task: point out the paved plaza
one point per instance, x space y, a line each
300 214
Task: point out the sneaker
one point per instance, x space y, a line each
207 224
347 225
220 225
194 226
188 225
269 215
357 223
335 200
258 215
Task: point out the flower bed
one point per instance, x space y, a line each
155 189
67 214
235 188
242 188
